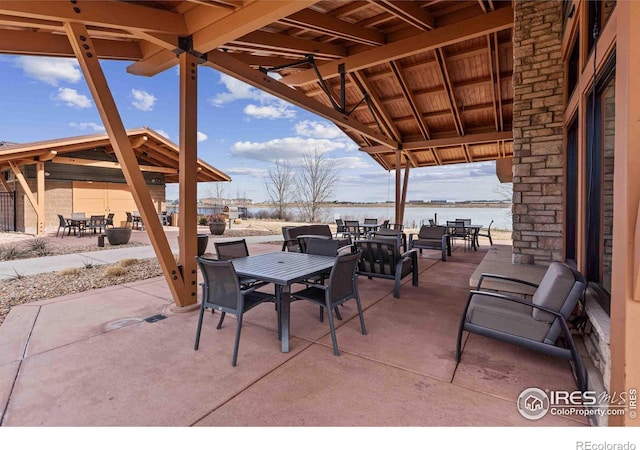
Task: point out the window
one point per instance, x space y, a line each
599 184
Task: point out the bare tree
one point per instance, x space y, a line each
278 184
314 184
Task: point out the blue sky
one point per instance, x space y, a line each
241 130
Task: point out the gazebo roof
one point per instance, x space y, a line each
152 150
430 78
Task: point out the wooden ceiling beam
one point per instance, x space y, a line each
408 96
365 87
493 81
451 97
410 12
423 42
280 42
108 14
107 164
469 139
35 43
498 82
227 64
213 27
327 24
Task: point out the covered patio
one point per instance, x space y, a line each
414 84
91 359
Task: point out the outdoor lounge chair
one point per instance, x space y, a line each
433 238
221 291
534 324
382 259
342 286
390 234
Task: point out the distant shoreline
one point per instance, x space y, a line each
408 205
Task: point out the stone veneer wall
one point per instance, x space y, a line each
538 155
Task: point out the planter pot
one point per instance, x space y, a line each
118 236
217 227
203 241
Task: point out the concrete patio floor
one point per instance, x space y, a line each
90 359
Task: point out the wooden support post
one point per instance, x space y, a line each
85 52
188 172
405 184
625 310
398 192
41 195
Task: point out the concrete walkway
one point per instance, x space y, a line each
32 266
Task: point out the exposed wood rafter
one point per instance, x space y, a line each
410 12
408 95
449 88
365 87
446 35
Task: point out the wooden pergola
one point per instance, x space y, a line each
413 83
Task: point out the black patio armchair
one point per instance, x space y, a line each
221 291
96 223
390 234
432 238
109 220
535 324
382 259
342 286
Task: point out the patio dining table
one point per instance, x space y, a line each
283 269
473 230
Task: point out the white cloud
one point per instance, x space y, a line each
50 70
252 172
163 133
275 111
268 107
290 148
238 90
87 126
313 129
352 162
142 100
72 98
202 137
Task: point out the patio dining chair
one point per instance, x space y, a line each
221 291
535 324
342 286
64 225
457 230
236 249
353 229
485 233
96 223
109 220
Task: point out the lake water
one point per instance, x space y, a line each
416 216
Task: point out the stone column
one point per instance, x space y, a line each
538 109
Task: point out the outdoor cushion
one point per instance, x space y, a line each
509 317
553 291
